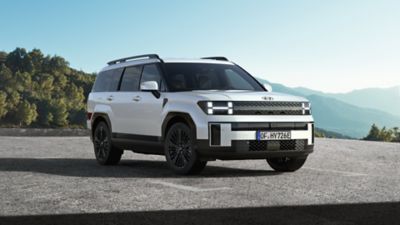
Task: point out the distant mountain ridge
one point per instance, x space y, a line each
385 99
333 114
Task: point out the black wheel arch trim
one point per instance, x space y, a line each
102 116
174 115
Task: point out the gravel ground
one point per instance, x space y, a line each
342 182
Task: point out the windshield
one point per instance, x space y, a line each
208 76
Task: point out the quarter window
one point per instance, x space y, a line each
107 81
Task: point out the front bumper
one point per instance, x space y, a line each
238 140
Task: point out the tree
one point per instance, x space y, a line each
385 134
59 113
19 60
3 57
5 77
3 104
374 134
26 113
41 91
396 132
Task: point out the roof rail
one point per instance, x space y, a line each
150 56
222 58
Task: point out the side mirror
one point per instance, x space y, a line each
149 86
268 87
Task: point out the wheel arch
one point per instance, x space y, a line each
97 118
175 117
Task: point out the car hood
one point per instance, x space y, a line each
231 95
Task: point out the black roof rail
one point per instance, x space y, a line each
222 58
150 56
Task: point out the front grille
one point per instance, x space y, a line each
268 108
283 145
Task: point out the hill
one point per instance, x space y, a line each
383 99
41 91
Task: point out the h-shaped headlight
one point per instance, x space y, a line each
306 107
216 107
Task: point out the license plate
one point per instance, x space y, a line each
273 135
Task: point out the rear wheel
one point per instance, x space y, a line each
286 164
106 153
180 154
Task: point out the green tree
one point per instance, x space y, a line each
385 134
396 134
59 113
3 104
41 91
26 113
19 60
3 57
374 134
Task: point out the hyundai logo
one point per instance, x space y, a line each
267 98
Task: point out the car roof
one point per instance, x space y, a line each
165 60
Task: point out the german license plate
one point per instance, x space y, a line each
273 135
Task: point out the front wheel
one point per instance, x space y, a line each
180 154
286 164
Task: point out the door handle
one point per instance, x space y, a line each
136 98
110 98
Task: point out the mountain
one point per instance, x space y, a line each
339 116
384 99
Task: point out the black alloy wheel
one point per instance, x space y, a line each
179 151
105 152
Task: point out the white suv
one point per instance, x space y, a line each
194 111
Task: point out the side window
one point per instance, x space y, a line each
115 77
107 80
151 73
130 80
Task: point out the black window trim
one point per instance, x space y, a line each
123 74
162 82
160 70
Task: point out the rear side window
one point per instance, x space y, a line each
131 78
107 81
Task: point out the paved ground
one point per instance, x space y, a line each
343 182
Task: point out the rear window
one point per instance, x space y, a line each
107 81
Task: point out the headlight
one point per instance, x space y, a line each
216 107
306 108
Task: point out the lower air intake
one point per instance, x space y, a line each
283 145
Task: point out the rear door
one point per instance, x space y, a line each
125 103
104 92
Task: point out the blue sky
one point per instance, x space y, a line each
333 46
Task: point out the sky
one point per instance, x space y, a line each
332 46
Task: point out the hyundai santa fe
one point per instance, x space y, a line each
195 111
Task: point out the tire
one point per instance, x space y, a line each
286 164
179 150
105 152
